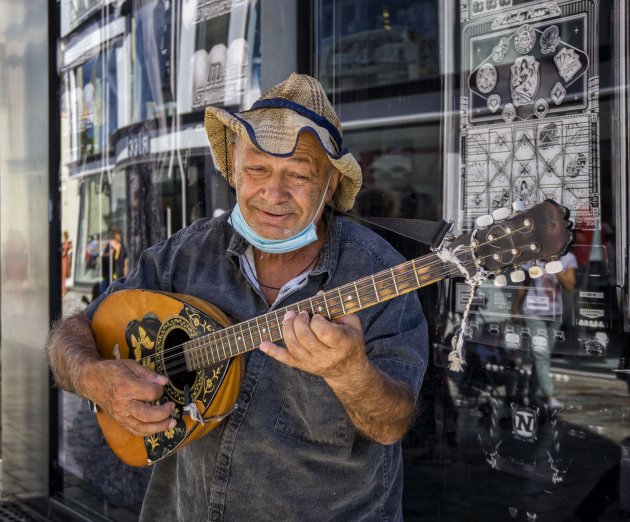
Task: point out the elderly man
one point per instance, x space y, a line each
315 435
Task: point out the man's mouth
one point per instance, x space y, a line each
273 217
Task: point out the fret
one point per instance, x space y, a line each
298 307
320 308
213 349
310 301
415 271
216 353
258 330
191 354
204 353
358 296
326 305
241 339
196 353
229 335
268 327
278 324
199 351
343 308
249 327
216 347
191 357
378 297
211 346
222 345
394 279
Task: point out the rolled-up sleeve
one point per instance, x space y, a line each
396 340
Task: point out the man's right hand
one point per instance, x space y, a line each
124 389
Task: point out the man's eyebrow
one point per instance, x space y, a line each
302 159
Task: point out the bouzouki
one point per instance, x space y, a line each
193 343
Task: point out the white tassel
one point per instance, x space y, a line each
456 361
456 357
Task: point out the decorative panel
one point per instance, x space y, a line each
529 107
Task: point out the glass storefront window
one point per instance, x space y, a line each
152 61
403 164
90 97
93 226
372 45
538 410
453 110
219 61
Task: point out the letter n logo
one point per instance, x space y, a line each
524 423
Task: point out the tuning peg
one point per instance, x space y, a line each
518 206
535 272
484 221
500 280
501 213
517 276
553 267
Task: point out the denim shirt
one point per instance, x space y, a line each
289 451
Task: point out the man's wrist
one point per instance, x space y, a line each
84 375
353 372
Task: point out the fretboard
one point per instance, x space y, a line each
347 299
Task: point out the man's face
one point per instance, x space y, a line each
279 196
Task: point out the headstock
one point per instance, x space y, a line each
510 240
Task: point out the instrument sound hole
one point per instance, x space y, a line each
174 361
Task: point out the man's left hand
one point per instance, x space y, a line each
320 347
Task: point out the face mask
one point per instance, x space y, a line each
276 246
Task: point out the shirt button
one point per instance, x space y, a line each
224 460
245 397
215 515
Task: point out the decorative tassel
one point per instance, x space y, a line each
456 357
456 361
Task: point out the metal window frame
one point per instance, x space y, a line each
620 146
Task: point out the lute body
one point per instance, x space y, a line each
145 326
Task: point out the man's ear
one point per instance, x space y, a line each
231 164
335 176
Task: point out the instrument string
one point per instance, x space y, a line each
318 301
230 334
423 270
178 365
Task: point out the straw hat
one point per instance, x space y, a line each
274 123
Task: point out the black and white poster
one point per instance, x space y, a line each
530 114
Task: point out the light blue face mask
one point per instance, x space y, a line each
276 246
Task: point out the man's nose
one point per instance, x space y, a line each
275 189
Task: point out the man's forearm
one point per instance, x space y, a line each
70 346
380 407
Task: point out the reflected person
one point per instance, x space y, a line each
540 304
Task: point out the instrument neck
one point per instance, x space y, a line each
347 299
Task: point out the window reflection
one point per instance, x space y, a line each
370 44
152 61
91 102
535 109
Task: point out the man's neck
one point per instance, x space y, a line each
273 271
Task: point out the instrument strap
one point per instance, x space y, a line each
431 233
